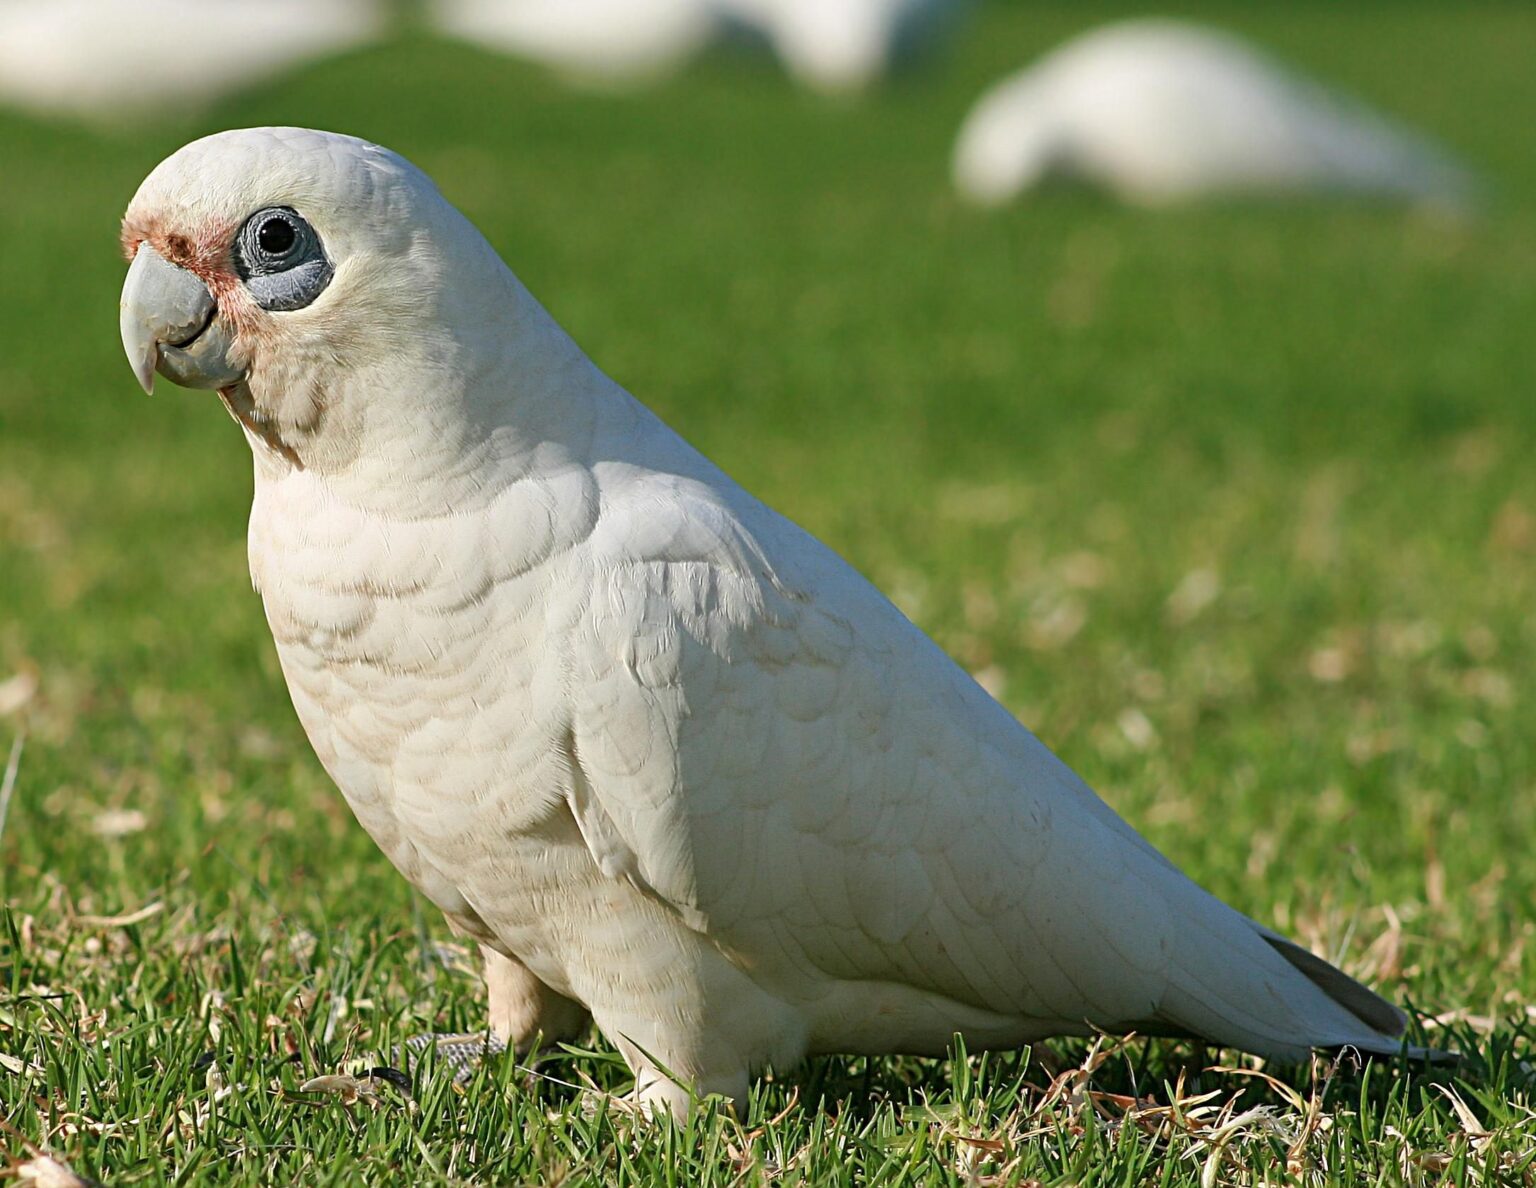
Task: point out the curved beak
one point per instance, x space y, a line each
171 324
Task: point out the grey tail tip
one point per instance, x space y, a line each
1366 1005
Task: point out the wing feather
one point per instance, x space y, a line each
781 756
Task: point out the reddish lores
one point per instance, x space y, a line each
208 256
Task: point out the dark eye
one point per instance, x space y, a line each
276 236
280 259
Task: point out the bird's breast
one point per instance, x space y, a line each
424 656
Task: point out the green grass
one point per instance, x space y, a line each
1234 505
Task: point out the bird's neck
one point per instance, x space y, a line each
437 427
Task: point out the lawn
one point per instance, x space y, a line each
1233 505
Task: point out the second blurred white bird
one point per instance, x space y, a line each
104 58
838 45
831 45
1161 111
590 40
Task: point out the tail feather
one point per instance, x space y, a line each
1236 983
1366 1005
1328 1011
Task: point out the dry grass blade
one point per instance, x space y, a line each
350 1089
1477 1134
41 1168
8 782
47 1172
123 921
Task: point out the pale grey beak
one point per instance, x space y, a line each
171 324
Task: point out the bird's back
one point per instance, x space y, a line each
777 752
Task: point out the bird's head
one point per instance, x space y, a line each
314 280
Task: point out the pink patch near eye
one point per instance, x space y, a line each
207 254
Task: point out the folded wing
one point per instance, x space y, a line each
768 745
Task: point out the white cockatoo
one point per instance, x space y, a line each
839 45
594 41
1159 111
670 760
88 57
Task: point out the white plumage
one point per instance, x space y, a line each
109 59
668 758
1160 111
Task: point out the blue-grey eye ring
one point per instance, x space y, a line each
281 260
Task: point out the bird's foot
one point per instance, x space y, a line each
462 1052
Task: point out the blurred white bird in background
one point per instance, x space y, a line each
105 59
840 45
830 45
1162 111
590 41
